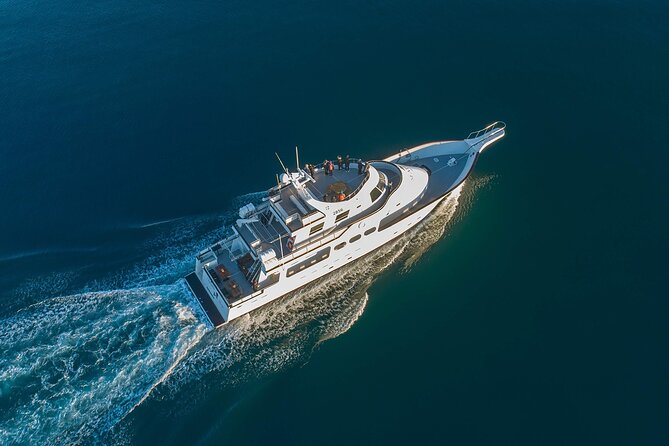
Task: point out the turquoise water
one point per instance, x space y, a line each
531 309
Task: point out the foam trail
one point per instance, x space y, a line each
155 223
433 229
287 331
45 252
184 313
74 367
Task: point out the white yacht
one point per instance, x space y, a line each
314 221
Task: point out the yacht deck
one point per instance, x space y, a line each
290 203
443 177
263 237
228 276
340 181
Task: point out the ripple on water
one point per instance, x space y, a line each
287 331
72 367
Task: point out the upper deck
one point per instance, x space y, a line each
328 187
303 201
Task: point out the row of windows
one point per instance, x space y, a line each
319 257
323 253
355 238
314 229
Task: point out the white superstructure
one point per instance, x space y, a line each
308 225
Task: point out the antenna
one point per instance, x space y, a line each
284 167
297 158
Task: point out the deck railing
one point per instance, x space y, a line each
210 285
491 129
357 189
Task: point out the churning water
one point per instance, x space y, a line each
75 366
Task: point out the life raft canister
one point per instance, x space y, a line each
290 243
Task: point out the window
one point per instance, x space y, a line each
375 194
370 231
340 246
341 216
382 180
355 238
316 228
378 190
320 256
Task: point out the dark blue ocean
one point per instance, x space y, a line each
531 309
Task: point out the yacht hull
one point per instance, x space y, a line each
447 163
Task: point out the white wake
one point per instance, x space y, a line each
73 367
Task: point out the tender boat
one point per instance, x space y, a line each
315 221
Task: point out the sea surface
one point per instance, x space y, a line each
530 309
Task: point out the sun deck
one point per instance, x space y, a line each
228 275
325 187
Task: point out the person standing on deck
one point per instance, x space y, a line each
338 162
347 163
312 171
325 167
360 166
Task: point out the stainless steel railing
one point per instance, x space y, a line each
491 129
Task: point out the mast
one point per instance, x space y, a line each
297 159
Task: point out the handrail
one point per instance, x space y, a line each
357 189
491 128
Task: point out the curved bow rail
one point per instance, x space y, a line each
490 132
495 127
